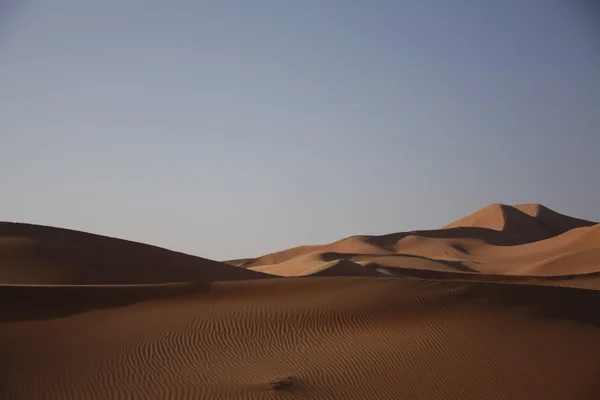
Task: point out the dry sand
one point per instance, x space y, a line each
502 304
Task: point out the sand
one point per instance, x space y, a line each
526 243
502 304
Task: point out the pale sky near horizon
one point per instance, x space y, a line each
233 128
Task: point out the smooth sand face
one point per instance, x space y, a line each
473 311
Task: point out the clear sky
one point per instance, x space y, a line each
232 128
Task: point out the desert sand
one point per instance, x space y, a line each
501 304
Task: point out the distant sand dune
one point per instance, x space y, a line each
526 239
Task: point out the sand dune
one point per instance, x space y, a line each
317 265
349 245
551 220
502 304
527 240
314 338
527 219
496 224
33 254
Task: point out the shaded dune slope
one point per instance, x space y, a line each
34 254
314 338
552 221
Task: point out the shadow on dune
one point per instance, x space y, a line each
552 221
30 303
332 256
487 235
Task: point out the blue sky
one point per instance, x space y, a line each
232 128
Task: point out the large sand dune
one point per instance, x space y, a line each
32 254
501 304
526 243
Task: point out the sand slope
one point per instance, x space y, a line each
33 254
330 338
502 304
